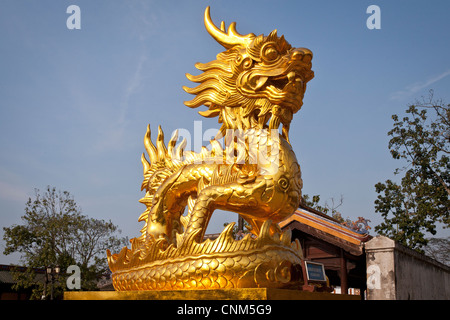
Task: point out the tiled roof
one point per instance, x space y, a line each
327 228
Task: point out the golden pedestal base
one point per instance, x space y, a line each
211 294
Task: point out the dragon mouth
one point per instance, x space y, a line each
286 90
286 93
283 89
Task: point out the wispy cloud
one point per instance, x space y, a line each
133 85
144 17
12 192
416 87
115 131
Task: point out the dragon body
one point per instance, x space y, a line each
253 87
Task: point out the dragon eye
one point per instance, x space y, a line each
269 52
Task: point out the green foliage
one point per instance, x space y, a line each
314 203
55 233
239 234
413 207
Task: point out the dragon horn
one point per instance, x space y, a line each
229 39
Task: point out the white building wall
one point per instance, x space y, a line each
395 272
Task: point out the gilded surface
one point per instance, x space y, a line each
210 294
253 87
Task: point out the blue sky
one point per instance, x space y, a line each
74 104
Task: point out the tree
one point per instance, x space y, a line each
314 203
412 208
361 225
439 249
55 233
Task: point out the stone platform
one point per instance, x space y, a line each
211 294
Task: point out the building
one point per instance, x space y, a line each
327 241
7 281
376 268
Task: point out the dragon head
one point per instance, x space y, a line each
258 82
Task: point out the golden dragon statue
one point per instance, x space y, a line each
253 87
